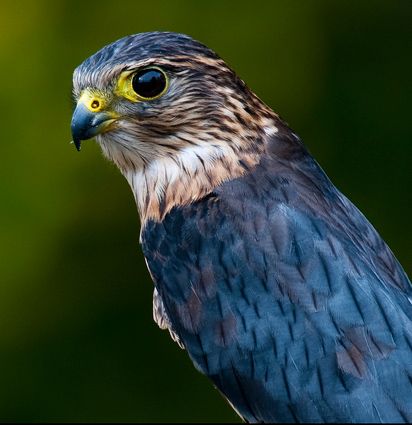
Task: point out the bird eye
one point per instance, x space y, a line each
149 83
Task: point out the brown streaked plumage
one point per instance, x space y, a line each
278 287
171 155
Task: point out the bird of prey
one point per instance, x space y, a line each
277 286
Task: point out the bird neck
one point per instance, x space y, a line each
193 173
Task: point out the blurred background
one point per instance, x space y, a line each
77 339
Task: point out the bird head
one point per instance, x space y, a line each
171 114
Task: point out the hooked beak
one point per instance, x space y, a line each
87 124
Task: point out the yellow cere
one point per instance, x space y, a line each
93 100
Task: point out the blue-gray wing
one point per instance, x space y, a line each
289 301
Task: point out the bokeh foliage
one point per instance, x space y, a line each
77 340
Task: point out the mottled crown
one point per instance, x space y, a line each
147 45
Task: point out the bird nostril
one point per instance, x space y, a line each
95 104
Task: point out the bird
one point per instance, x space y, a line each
279 289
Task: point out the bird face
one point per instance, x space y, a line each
156 94
164 105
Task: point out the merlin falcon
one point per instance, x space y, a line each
276 285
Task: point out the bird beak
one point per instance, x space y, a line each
87 124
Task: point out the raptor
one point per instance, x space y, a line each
277 286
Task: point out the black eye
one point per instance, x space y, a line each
149 83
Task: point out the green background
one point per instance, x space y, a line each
77 340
